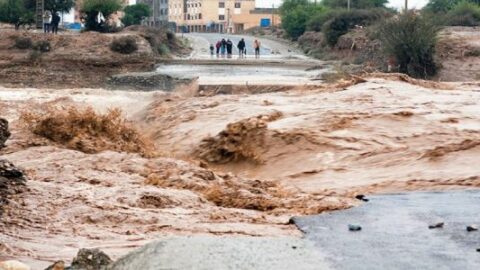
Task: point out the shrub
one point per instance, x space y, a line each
346 20
411 39
23 43
42 46
163 49
464 14
124 45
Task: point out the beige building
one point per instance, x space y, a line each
232 16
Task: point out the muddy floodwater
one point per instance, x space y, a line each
224 164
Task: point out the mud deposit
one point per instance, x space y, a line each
229 164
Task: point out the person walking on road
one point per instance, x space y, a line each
223 49
218 46
212 49
241 48
55 23
229 48
47 21
256 46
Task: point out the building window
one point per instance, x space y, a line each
221 5
238 5
200 16
221 17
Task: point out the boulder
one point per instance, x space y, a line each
4 133
12 181
90 259
13 265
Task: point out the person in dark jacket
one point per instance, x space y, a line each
223 48
218 46
229 48
55 23
241 48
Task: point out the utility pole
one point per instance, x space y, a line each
39 14
348 4
406 6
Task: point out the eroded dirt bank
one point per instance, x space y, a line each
72 60
231 164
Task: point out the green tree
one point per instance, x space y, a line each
59 5
91 9
359 4
443 6
411 39
15 12
134 14
296 14
464 13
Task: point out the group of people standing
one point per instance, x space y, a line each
225 47
50 22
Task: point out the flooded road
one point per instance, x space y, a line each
279 64
395 233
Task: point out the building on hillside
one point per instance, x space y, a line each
231 16
160 12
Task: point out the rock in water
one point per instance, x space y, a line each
472 228
90 259
13 265
12 181
354 228
361 197
4 133
60 265
436 225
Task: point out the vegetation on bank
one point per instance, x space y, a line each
407 39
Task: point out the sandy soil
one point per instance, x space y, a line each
321 147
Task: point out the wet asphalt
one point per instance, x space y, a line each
395 233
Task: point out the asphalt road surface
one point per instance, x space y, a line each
395 233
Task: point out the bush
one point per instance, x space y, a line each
23 43
346 20
464 14
163 49
124 45
411 39
42 46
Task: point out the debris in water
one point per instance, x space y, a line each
436 225
354 228
362 197
472 228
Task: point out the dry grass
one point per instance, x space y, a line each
88 131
